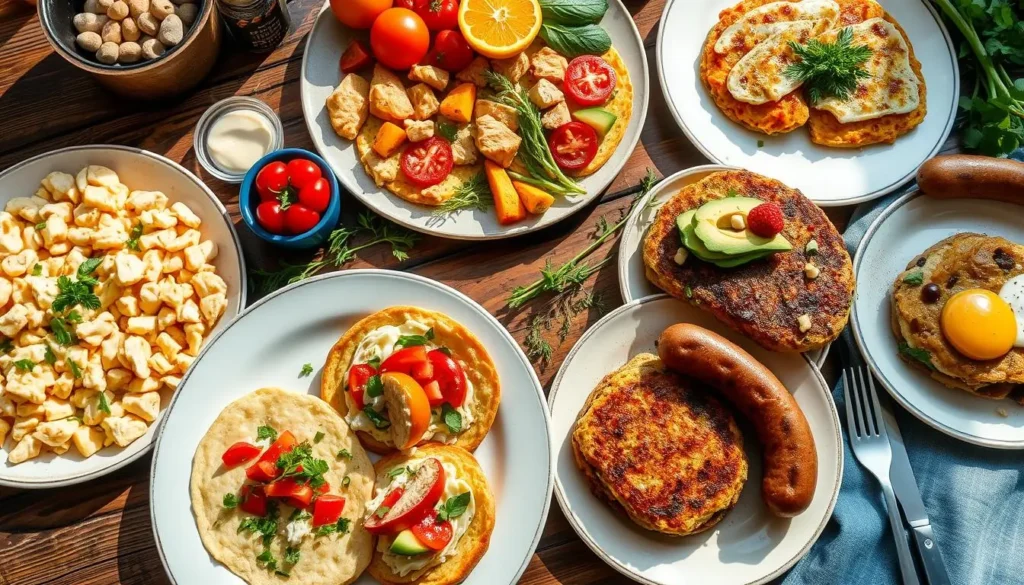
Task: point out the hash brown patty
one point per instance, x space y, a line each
660 449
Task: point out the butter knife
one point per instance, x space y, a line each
905 485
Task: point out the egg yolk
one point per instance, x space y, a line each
979 324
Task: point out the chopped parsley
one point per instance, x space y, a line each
414 340
25 365
299 464
319 436
916 353
231 501
37 270
760 143
344 454
6 345
374 386
915 278
103 405
291 555
76 372
452 419
266 432
48 355
62 332
376 418
306 370
688 292
396 472
40 226
299 515
267 558
266 526
78 292
73 317
133 237
339 527
345 481
447 130
374 362
454 507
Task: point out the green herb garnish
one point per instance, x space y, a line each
6 345
344 454
454 507
573 12
61 332
447 130
345 481
573 41
830 69
103 405
133 237
40 226
291 555
319 436
306 370
300 465
37 270
918 354
76 372
376 418
265 526
415 340
48 356
231 501
452 419
382 511
396 472
25 365
915 278
266 432
472 194
374 362
340 527
77 292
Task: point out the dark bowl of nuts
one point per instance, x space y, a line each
138 48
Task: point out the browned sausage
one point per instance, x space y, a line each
790 466
958 176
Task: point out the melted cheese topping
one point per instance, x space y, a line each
771 19
760 76
892 87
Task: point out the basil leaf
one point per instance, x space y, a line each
414 340
396 472
454 507
374 386
573 12
376 418
573 41
918 354
451 417
915 278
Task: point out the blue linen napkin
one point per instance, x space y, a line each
974 495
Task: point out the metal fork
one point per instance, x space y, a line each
870 443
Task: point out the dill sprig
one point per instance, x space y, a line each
830 69
472 194
340 251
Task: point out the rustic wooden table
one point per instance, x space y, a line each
99 533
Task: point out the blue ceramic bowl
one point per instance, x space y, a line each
248 199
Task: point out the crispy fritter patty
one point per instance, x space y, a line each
660 448
957 263
764 298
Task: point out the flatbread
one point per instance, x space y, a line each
326 560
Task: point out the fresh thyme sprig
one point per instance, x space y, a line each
339 251
829 69
472 194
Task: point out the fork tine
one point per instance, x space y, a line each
851 420
857 408
869 417
876 405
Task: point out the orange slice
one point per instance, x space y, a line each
408 409
499 29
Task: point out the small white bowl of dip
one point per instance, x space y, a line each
233 134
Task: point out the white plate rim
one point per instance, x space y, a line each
877 371
510 231
633 223
244 286
422 280
677 115
581 531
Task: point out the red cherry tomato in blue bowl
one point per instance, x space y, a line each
316 232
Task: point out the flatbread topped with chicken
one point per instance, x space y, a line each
405 375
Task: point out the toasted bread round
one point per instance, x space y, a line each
465 348
473 544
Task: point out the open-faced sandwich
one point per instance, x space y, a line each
432 513
958 313
405 375
758 255
279 488
844 68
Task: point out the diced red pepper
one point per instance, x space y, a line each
327 510
433 391
297 494
422 372
404 360
355 57
262 471
239 453
254 501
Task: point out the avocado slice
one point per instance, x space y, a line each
711 225
741 259
690 240
600 119
406 544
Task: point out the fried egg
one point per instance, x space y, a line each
1013 293
770 19
891 86
979 324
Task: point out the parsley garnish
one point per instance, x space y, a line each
306 370
915 278
447 130
451 417
37 270
265 526
78 292
231 501
376 418
340 527
301 456
6 345
40 226
25 365
345 481
103 405
396 472
61 332
414 340
830 69
133 237
291 555
319 436
266 432
374 386
266 557
917 353
76 372
760 143
374 362
454 507
48 356
73 317
344 454
299 515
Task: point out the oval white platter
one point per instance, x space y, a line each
633 283
750 546
908 227
142 170
320 75
267 346
828 176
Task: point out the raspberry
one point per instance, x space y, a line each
766 220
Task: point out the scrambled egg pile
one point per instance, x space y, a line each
106 296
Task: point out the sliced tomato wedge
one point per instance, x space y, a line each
417 500
327 510
355 57
324 488
239 453
285 441
404 360
262 471
254 501
589 80
433 534
573 145
428 162
294 493
422 372
450 376
433 392
357 377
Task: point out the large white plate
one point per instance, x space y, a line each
139 169
904 230
320 75
750 545
829 176
633 283
267 346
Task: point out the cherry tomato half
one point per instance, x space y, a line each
357 378
358 13
327 510
399 38
450 376
254 501
589 80
270 216
293 491
355 57
302 173
285 442
262 471
451 52
404 360
439 14
240 453
300 219
271 180
316 195
429 162
433 534
573 145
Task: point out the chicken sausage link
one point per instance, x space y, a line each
963 175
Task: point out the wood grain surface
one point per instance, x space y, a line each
99 533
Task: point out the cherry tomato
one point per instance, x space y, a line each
439 14
316 195
451 52
433 391
355 57
589 80
357 377
262 471
450 376
421 494
293 491
327 510
410 4
254 501
422 372
399 38
404 360
285 442
433 534
270 216
302 173
573 145
300 219
240 453
358 13
271 180
429 162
